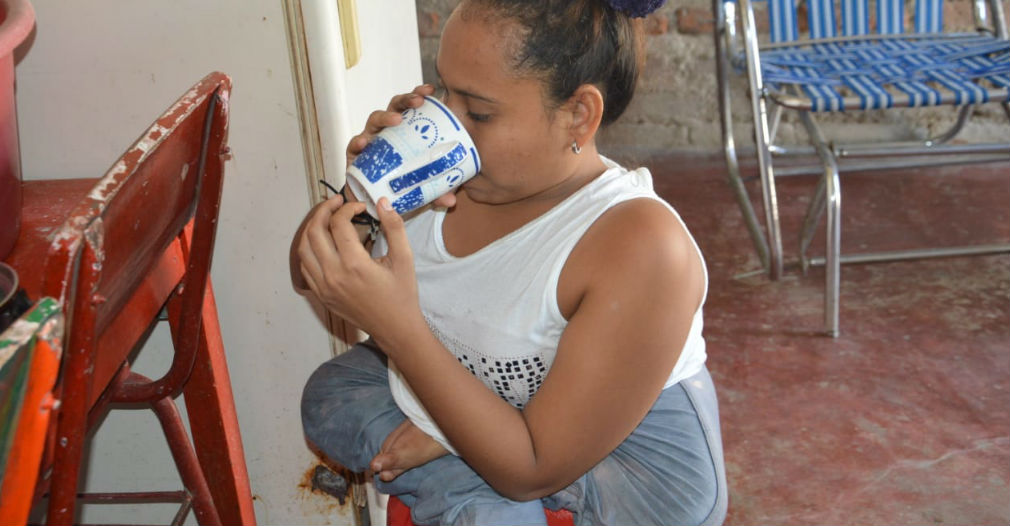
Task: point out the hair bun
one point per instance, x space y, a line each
636 8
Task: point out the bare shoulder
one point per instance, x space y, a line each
637 245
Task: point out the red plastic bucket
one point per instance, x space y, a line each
16 20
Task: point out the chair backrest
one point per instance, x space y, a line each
100 258
855 18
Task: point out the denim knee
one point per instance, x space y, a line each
347 408
668 471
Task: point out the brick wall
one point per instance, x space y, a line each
675 105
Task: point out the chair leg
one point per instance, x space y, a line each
729 146
833 196
66 470
813 216
212 417
763 140
71 429
833 264
185 459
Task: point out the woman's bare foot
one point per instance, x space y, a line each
405 448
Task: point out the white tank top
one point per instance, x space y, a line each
497 309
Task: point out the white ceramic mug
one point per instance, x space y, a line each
416 161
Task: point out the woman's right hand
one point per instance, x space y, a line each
391 116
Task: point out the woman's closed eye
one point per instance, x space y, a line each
478 117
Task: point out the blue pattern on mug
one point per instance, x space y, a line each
440 165
476 160
377 159
426 129
409 201
448 114
454 176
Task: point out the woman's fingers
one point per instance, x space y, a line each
379 119
343 234
315 248
446 200
396 235
410 100
390 475
424 89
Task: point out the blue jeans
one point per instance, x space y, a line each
670 470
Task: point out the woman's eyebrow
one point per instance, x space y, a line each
465 93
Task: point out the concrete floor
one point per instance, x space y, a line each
903 419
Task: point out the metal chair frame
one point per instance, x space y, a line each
828 158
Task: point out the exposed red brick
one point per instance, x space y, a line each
656 24
694 20
957 16
803 18
429 24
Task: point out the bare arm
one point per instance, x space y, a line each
623 339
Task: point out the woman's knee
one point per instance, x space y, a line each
344 379
669 471
343 400
617 494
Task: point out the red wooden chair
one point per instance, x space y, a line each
116 252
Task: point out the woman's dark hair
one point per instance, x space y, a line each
568 43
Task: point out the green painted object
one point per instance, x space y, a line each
17 345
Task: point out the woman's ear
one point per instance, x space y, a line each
586 105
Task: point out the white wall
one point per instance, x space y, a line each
93 77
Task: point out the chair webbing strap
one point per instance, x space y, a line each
782 21
821 18
890 17
854 18
928 16
966 69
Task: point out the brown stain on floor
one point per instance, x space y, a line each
323 503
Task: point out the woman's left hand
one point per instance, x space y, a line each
379 295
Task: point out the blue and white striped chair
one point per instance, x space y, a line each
857 55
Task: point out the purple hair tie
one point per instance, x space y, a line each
636 8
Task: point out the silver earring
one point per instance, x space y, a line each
575 148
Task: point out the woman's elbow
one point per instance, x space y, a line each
522 489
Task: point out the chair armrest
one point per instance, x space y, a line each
724 12
751 45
